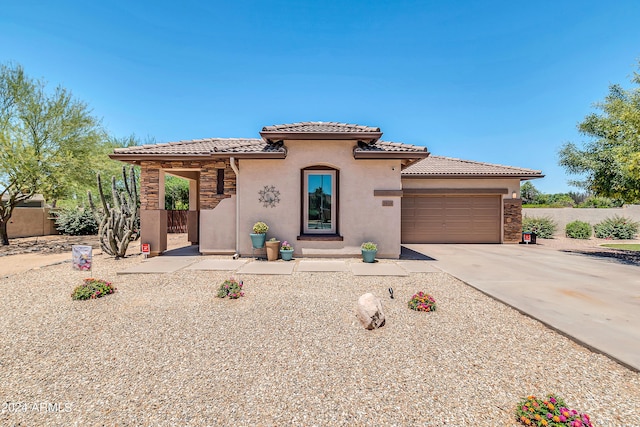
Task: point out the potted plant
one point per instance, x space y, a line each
369 250
259 234
273 246
286 251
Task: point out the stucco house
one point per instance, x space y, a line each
326 187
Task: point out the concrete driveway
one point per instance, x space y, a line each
593 300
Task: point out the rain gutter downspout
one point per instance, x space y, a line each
232 160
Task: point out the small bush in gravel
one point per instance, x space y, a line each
544 227
231 288
578 230
92 288
550 412
616 227
422 302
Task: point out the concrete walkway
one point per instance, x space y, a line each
592 300
170 264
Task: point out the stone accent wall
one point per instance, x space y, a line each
512 220
149 185
209 199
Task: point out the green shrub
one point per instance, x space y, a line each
260 228
369 246
551 411
551 201
600 202
578 230
616 227
92 289
422 302
544 227
76 222
231 288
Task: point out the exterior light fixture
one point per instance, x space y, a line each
514 195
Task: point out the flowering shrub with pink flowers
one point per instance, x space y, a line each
422 302
92 289
549 412
231 288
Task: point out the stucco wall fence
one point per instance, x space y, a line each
29 222
563 216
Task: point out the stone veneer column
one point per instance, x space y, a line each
153 217
512 209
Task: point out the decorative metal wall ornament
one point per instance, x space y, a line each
269 196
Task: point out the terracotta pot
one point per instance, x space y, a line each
273 248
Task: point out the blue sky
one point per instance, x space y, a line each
497 81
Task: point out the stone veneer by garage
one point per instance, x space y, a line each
512 220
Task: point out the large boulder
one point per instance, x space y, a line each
369 311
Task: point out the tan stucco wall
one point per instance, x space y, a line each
563 216
509 183
218 228
361 215
153 230
29 222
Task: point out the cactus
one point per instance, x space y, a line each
117 223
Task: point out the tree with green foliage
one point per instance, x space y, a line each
176 193
610 160
50 143
528 193
47 140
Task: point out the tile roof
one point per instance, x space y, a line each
207 146
390 147
221 146
451 167
320 127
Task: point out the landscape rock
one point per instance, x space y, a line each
369 311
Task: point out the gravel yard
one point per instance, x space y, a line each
164 351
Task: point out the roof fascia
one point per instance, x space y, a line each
129 158
458 176
383 155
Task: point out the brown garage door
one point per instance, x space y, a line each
451 219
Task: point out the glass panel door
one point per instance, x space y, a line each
320 202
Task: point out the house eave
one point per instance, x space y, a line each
459 176
137 158
386 155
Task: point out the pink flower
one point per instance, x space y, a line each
563 418
552 400
549 415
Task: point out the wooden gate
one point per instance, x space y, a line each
177 221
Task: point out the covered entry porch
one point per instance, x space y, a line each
210 183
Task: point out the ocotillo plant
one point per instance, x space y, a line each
117 223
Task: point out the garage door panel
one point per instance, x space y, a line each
451 219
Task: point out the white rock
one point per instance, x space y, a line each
369 311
